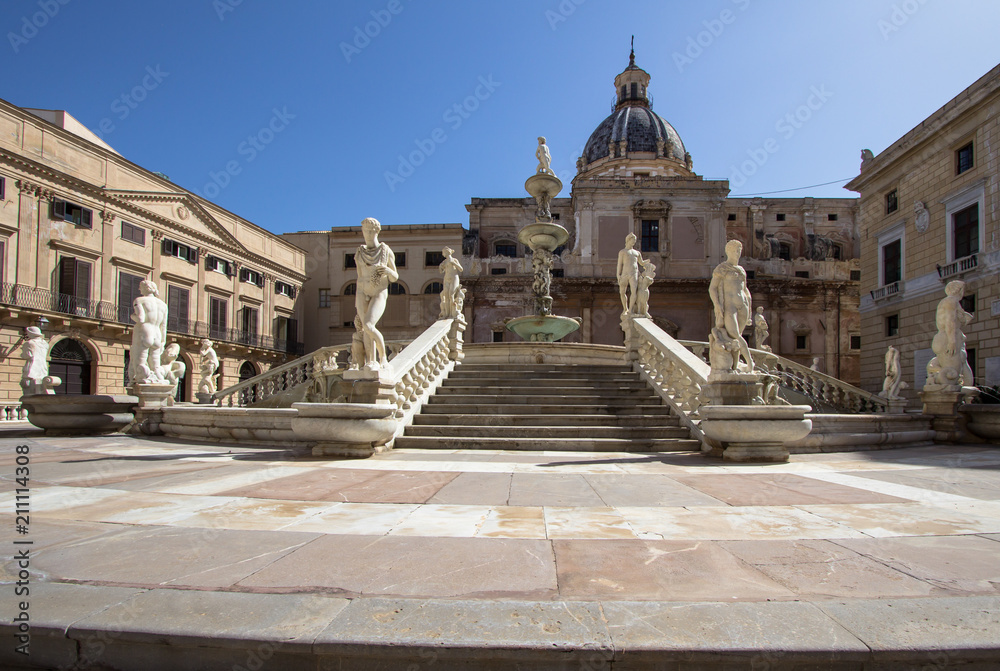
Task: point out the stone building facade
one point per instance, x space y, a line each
81 227
636 176
928 216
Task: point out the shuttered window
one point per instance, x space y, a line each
177 309
128 291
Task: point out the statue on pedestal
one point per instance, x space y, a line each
207 367
731 302
149 335
544 157
450 295
35 377
949 370
760 331
628 272
376 265
172 368
642 295
893 376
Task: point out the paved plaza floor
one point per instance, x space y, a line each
160 554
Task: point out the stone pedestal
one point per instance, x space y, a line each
152 399
345 429
733 389
64 415
950 426
457 339
755 433
205 399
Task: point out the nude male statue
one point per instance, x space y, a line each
628 272
731 300
149 335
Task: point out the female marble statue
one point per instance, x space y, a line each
731 302
209 364
376 270
629 262
451 269
35 352
645 280
893 375
949 370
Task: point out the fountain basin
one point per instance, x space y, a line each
345 429
543 235
543 328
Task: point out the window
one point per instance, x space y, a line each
650 235
892 262
219 265
286 332
248 324
855 342
128 291
970 356
779 217
498 336
751 274
837 252
3 188
498 271
433 259
964 159
349 261
785 251
73 213
831 217
891 202
804 274
731 217
251 277
74 286
968 303
966 231
177 309
324 297
284 289
134 234
396 289
351 289
558 272
217 317
180 250
434 288
400 259
855 275
892 326
555 215
801 342
506 249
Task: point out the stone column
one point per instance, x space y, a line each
107 288
27 236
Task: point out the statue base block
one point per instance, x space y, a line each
205 399
950 426
154 395
733 389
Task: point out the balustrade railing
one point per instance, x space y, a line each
958 266
418 370
825 391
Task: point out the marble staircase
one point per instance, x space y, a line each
549 406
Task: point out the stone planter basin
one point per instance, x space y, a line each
755 432
71 415
345 429
984 420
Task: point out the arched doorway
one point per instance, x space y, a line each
250 395
247 371
70 360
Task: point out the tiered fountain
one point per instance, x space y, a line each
543 237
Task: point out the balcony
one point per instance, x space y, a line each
32 298
958 266
888 291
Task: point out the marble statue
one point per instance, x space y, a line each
209 364
629 269
376 270
949 370
642 295
541 266
866 156
35 377
172 368
688 163
815 365
450 298
893 376
357 345
921 216
544 157
760 331
731 302
149 335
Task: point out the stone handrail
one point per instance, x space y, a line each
419 369
676 373
821 388
326 361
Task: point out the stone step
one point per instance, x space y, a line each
548 444
591 390
548 367
549 399
544 433
627 409
604 420
542 375
575 381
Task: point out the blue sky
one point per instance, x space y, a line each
309 115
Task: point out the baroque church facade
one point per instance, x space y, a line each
635 175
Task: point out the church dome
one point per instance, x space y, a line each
641 128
